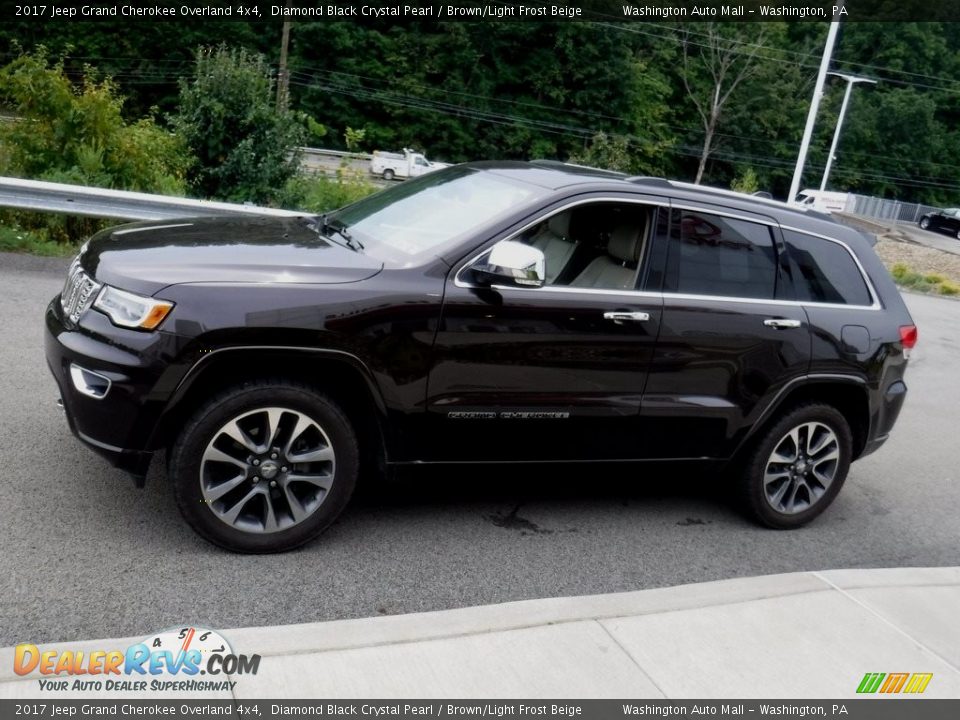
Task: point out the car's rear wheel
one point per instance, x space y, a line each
265 467
797 467
388 174
924 223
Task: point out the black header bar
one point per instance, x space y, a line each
536 709
44 11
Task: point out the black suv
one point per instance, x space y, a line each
485 313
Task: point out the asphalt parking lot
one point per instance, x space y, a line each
84 554
930 238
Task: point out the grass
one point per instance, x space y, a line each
16 239
920 282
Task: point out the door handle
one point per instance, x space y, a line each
781 323
621 316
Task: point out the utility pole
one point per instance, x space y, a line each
851 81
814 107
283 76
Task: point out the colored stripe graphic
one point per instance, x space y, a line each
918 683
870 682
894 683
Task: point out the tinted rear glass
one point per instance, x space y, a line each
827 272
715 255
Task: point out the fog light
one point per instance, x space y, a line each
89 383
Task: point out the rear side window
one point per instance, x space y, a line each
716 255
825 272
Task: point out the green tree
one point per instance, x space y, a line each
76 133
713 68
245 147
145 59
745 181
610 152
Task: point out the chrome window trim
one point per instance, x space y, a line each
657 202
678 296
665 202
758 219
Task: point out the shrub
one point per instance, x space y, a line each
76 133
930 282
245 147
321 193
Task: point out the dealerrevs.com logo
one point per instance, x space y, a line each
173 660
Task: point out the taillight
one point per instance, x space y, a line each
908 336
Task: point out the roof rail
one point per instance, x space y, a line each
649 180
560 164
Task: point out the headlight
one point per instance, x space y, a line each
129 310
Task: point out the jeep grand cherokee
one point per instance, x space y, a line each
486 313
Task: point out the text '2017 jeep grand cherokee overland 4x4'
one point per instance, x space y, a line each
489 312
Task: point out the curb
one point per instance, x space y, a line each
399 629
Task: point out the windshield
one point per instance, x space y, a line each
424 216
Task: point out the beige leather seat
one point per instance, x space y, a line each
555 244
615 270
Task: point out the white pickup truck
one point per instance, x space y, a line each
402 165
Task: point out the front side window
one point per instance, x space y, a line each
716 255
825 272
593 246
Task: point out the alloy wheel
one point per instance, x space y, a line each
267 470
801 468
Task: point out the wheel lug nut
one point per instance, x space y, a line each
256 462
273 483
256 479
283 469
273 456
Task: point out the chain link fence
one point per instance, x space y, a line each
881 209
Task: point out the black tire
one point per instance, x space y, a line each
248 402
924 223
388 174
753 490
957 234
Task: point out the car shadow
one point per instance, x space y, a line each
512 486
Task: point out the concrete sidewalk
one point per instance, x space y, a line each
802 635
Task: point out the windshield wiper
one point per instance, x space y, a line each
327 227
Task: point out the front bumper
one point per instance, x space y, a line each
119 424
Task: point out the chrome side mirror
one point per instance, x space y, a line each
512 263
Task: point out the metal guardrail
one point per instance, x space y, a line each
122 204
336 153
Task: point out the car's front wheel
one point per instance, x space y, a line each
924 223
797 467
264 467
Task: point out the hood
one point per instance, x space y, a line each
149 256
